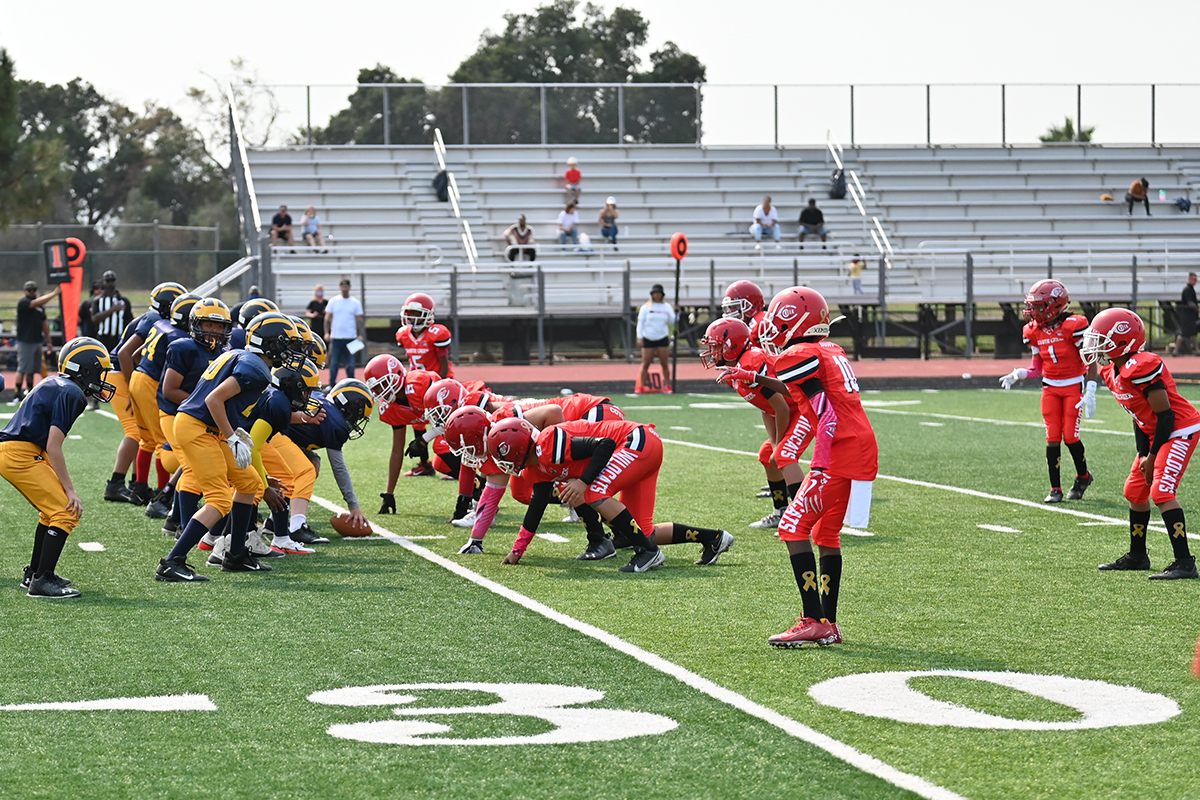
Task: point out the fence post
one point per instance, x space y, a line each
261 272
795 272
387 123
928 117
541 289
1079 112
454 311
1153 134
1049 266
362 297
881 323
620 115
217 248
969 311
545 128
308 113
1003 114
466 118
712 289
157 261
852 113
626 316
776 87
1135 285
697 114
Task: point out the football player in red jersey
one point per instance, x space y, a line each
1055 334
816 372
789 430
427 346
744 300
401 396
593 462
442 399
1164 426
590 407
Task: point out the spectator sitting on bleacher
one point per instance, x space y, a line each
572 179
518 238
813 221
766 220
568 220
310 227
608 221
281 227
1138 193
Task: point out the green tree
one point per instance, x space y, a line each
1067 133
180 176
31 170
410 120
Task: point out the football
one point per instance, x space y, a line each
344 525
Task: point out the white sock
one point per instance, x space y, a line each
297 521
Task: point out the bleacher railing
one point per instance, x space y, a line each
724 114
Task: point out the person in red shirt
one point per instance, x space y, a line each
789 430
427 346
816 372
1055 334
1164 426
571 179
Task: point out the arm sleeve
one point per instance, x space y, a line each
341 474
1164 422
827 422
599 449
533 515
485 512
1142 440
261 431
1035 366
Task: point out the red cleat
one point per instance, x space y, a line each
421 470
807 631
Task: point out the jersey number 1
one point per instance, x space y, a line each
850 381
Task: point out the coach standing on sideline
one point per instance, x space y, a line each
111 312
33 333
343 324
1189 311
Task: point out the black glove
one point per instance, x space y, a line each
417 449
388 506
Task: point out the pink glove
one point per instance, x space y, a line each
811 492
737 374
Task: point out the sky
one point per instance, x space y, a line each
136 51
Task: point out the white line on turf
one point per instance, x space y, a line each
998 528
834 747
423 537
91 547
877 410
553 537
1117 522
108 414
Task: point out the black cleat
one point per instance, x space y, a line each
29 578
177 570
160 506
47 586
116 492
712 551
598 551
1055 496
140 494
1081 485
620 542
171 528
243 563
473 547
1129 561
388 506
645 560
1179 568
305 535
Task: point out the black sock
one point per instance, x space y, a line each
479 484
52 546
1054 461
1138 520
804 567
779 493
793 489
239 522
1177 531
461 506
282 520
117 476
39 536
188 502
592 522
176 514
191 535
626 526
1077 455
687 533
831 581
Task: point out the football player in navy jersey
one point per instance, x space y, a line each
31 457
242 314
161 298
223 402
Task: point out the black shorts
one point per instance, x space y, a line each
650 344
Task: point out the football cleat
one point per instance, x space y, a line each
171 528
289 546
29 577
46 586
598 551
219 549
572 516
771 520
1179 568
1055 496
117 492
257 545
177 570
462 507
1129 561
140 494
712 551
807 631
764 492
208 542
466 522
160 506
471 548
305 535
243 563
421 470
1080 486
645 560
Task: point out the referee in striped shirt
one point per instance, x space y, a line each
111 312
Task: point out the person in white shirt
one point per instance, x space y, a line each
766 221
343 325
568 220
655 319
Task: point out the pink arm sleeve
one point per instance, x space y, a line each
466 480
523 540
485 513
1035 367
826 428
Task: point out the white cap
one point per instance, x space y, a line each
571 162
612 201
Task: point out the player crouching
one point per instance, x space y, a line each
31 457
1164 426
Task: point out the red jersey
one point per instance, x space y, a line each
575 407
754 323
1058 347
1130 385
758 361
410 409
553 446
426 349
479 395
855 454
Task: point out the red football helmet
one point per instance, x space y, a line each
1114 332
795 312
442 399
508 442
384 376
743 299
1046 300
726 340
466 433
417 311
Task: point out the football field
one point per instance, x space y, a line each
985 656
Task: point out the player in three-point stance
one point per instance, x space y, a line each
816 373
1055 334
31 457
1164 426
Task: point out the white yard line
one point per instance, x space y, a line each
877 410
834 747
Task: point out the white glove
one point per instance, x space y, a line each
811 494
242 447
1088 401
433 433
1017 374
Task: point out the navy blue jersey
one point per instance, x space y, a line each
276 409
332 432
55 402
140 327
154 351
251 373
237 339
190 360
